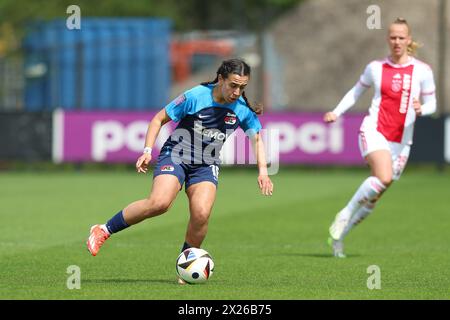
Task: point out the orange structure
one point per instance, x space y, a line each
183 50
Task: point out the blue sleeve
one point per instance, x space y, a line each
179 107
250 124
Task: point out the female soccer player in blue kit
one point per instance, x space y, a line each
207 115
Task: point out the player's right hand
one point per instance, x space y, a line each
330 117
142 163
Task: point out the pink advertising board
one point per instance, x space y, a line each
299 138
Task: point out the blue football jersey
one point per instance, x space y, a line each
204 125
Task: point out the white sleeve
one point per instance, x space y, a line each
349 100
428 93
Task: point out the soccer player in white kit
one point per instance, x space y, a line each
400 82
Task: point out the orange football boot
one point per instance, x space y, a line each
96 239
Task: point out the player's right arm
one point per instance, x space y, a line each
349 100
175 111
160 119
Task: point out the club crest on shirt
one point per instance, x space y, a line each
230 118
396 85
167 168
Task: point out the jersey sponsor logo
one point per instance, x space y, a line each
405 93
167 168
396 85
209 133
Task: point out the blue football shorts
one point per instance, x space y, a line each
187 174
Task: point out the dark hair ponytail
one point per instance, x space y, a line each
258 108
241 68
210 82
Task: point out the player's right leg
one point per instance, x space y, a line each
338 247
166 185
164 191
376 151
371 189
356 218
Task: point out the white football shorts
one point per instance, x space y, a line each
372 140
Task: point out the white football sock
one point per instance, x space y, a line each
369 190
358 217
104 228
344 214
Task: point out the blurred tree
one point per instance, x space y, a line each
8 42
186 14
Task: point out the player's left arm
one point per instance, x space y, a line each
264 182
428 95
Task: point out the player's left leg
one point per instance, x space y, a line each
369 192
400 155
371 189
376 151
201 200
201 186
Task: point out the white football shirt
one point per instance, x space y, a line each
391 112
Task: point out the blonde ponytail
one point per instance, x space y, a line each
412 48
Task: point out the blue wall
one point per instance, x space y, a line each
109 64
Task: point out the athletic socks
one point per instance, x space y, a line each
116 223
358 217
369 190
360 206
185 246
361 214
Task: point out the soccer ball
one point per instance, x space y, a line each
194 265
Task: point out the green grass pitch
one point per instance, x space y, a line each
263 248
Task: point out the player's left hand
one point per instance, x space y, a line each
265 184
417 107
